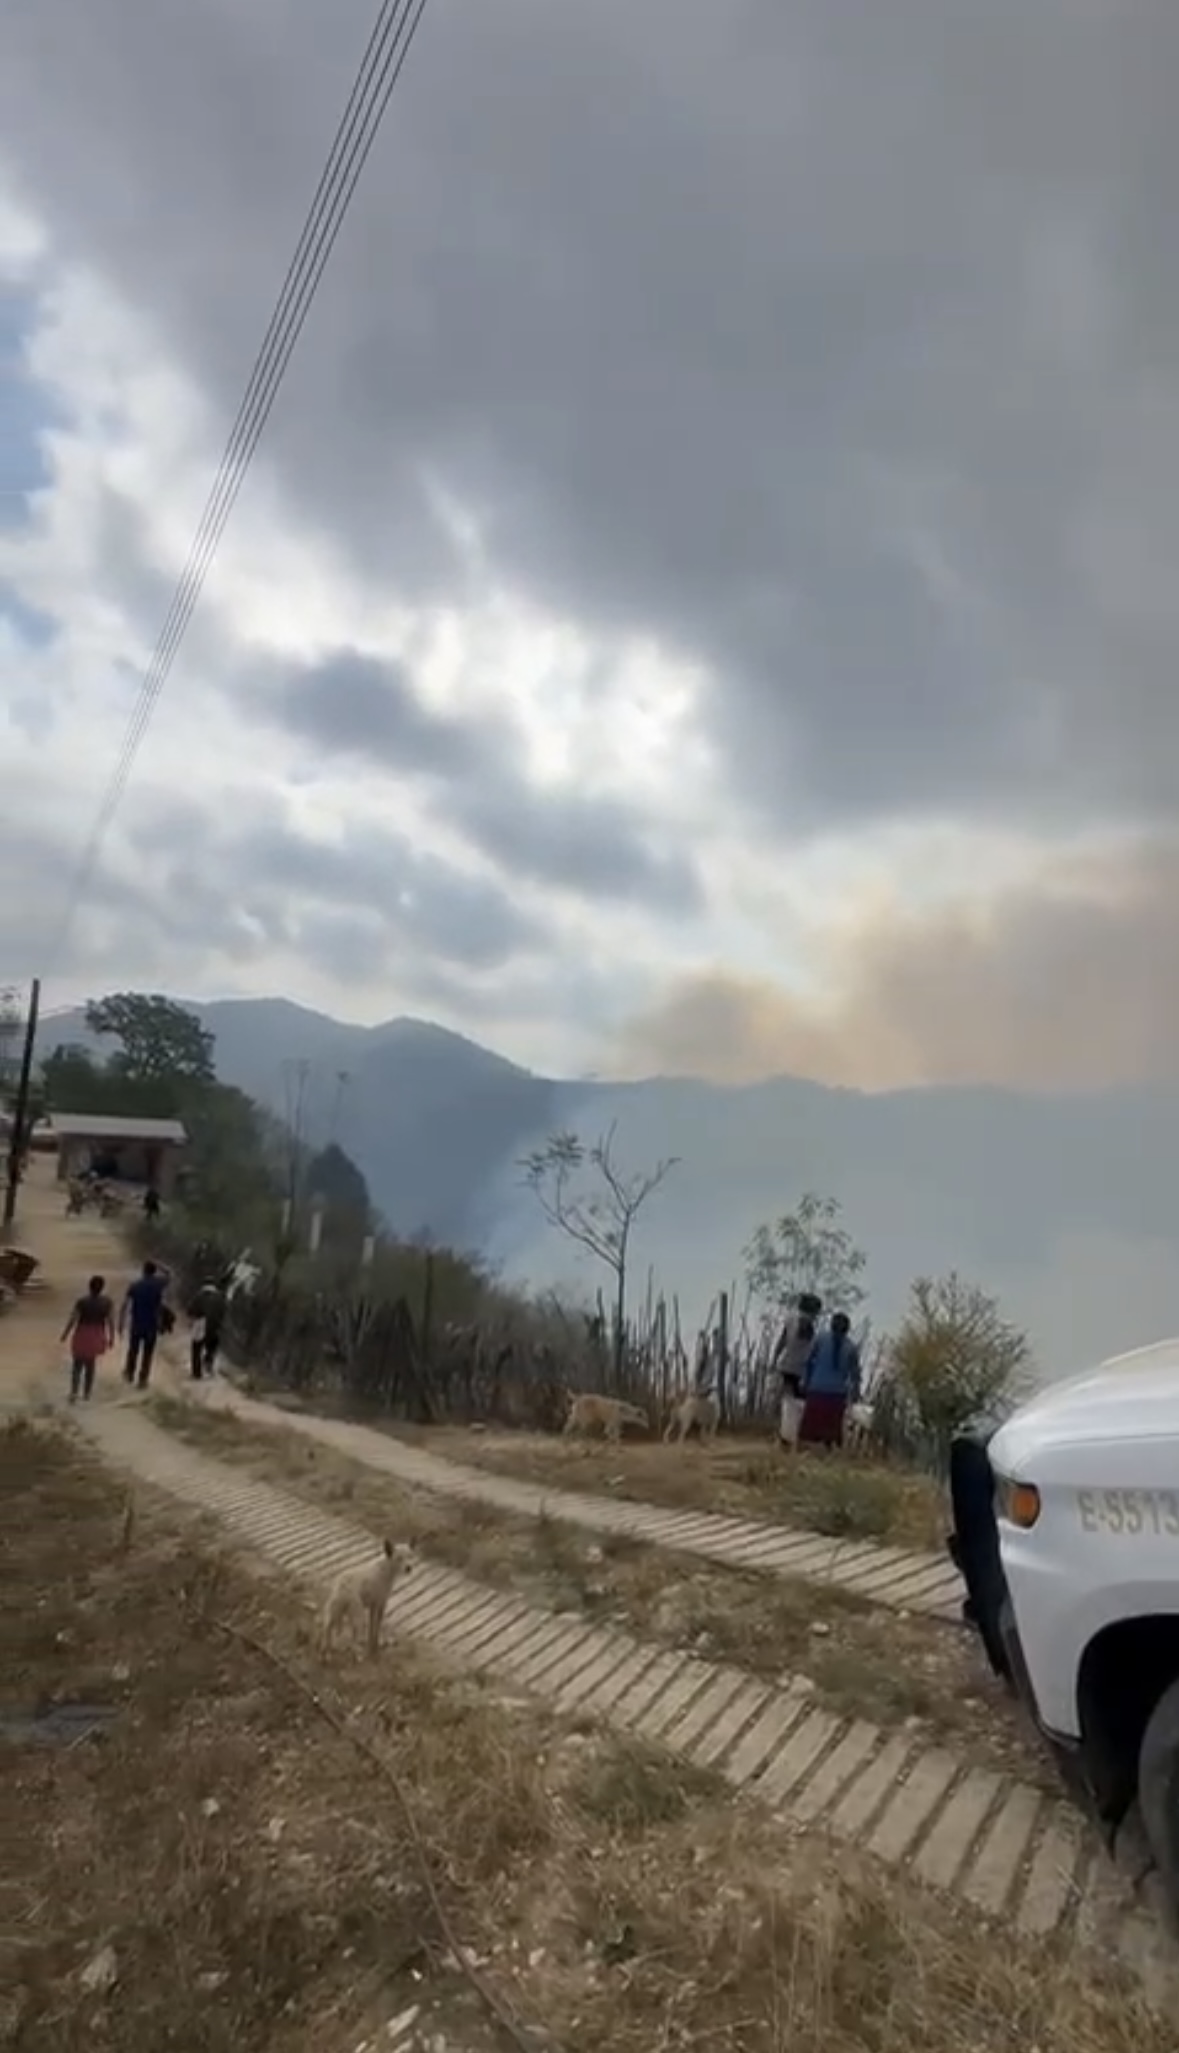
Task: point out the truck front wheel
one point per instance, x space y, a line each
1158 1792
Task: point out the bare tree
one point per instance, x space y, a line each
601 1218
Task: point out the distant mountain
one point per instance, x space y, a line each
1065 1204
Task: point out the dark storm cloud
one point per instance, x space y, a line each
193 888
269 878
833 343
596 847
350 705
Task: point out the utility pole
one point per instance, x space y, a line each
296 1077
20 1110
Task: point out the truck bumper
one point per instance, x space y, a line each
1067 1753
974 1549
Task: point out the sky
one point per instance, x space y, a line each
706 598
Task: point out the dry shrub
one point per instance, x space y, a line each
711 1934
848 1503
629 1787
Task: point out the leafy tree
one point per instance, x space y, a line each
229 1170
600 1219
332 1179
955 1360
158 1039
807 1249
73 1081
229 1175
333 1176
11 1036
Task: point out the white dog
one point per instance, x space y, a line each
857 1427
362 1594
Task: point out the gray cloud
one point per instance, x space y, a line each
350 705
283 885
834 345
206 891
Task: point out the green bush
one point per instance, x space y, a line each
954 1363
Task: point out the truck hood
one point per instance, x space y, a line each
1130 1397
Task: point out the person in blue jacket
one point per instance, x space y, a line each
831 1381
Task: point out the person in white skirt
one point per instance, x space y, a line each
789 1361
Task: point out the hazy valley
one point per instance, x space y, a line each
1063 1204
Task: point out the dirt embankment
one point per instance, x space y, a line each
225 1869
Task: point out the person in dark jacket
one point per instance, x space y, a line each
142 1318
207 1312
831 1382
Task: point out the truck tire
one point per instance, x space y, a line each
1158 1794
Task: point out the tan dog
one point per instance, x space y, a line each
698 1409
605 1415
362 1594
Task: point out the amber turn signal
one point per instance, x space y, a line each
1021 1505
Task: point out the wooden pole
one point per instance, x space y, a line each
722 1357
18 1136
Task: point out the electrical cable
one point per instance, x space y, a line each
381 66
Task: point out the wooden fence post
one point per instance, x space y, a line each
427 1304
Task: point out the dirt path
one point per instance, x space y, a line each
32 1361
997 1846
921 1585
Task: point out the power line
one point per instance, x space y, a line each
388 47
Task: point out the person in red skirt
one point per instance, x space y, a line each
831 1381
90 1330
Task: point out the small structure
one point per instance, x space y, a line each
144 1151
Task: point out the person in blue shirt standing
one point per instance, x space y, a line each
141 1318
831 1381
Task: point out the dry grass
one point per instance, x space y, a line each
746 1474
858 1656
251 1870
245 1878
743 1475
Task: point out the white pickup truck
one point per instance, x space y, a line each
1067 1536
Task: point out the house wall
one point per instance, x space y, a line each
140 1162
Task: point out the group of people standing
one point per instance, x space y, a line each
820 1371
143 1317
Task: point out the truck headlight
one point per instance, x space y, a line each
1018 1503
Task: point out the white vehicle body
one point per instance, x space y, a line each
1102 1450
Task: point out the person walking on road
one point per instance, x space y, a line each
207 1312
141 1318
90 1330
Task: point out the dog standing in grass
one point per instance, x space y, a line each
362 1594
589 1413
699 1409
859 1428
